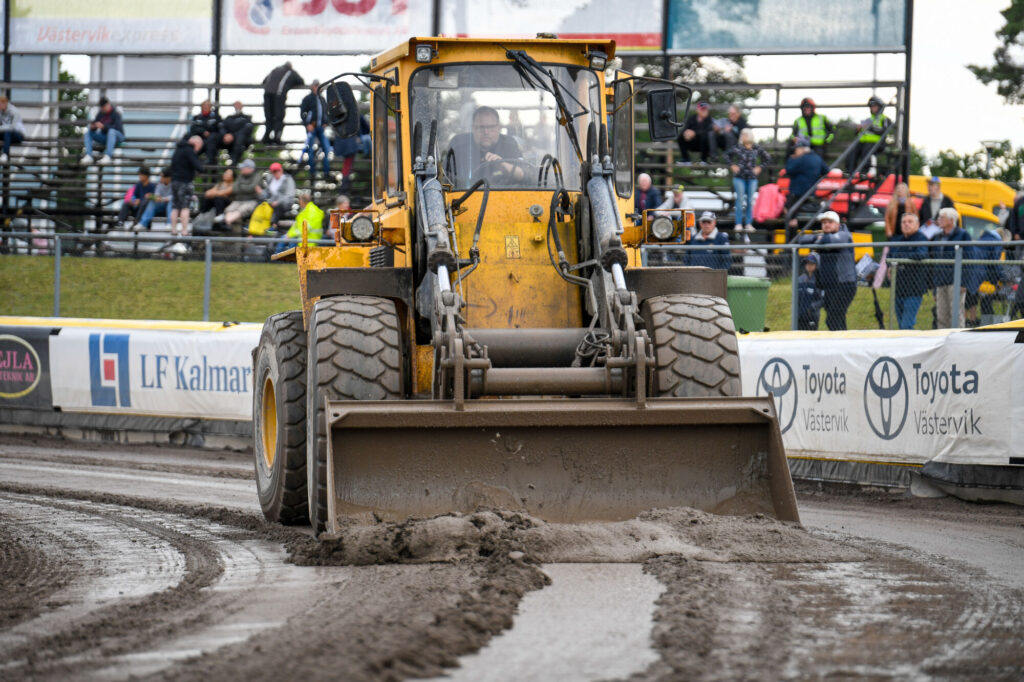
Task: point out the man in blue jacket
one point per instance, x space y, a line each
803 169
838 272
314 117
911 278
106 129
709 235
942 274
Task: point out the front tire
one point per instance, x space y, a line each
695 348
279 419
355 353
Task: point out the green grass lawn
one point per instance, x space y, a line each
123 288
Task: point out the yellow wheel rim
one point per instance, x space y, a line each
269 423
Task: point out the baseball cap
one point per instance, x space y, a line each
276 166
315 82
703 105
934 180
812 258
802 141
707 216
248 163
829 215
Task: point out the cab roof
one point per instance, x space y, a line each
487 49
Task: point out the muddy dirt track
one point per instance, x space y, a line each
140 562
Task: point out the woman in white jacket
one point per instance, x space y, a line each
11 127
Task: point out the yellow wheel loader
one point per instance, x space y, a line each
482 335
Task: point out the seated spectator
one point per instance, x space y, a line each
278 190
246 196
675 202
160 201
647 196
220 195
343 205
236 134
810 296
346 148
696 135
726 134
206 125
912 278
11 126
310 214
709 235
136 197
106 129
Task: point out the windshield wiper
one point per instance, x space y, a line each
540 78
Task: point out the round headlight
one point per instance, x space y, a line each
662 228
362 229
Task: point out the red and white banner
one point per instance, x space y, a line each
321 26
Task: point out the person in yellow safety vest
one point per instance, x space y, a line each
815 127
873 128
309 213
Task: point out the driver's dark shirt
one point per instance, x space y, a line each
465 156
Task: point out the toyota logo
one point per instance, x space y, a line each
886 398
778 379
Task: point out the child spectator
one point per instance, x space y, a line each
159 202
810 296
136 197
11 126
106 129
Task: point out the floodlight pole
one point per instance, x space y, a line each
7 46
666 61
908 36
217 28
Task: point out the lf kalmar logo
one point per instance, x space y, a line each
256 16
778 379
886 398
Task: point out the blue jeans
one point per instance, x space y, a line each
153 208
906 310
745 190
319 134
111 139
12 137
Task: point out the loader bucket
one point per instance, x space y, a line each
561 460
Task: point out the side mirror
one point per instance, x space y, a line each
662 119
342 110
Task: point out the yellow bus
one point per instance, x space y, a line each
983 194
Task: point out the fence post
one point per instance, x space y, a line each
954 320
208 263
794 312
56 276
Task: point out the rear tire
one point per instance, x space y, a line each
695 348
355 353
279 419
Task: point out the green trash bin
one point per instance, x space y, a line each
748 301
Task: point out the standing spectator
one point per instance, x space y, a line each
814 126
696 135
275 92
976 275
873 128
932 204
346 148
246 194
647 196
810 297
911 278
206 126
159 202
279 193
106 129
900 204
184 165
726 134
838 274
236 133
11 126
942 274
1016 222
315 119
804 169
1003 214
139 193
218 197
745 161
709 236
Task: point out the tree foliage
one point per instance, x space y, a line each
72 112
1008 71
697 71
1006 164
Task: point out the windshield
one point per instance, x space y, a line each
492 123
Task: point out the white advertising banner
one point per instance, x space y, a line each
899 399
633 25
160 373
321 26
111 26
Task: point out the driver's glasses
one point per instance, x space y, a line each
486 129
